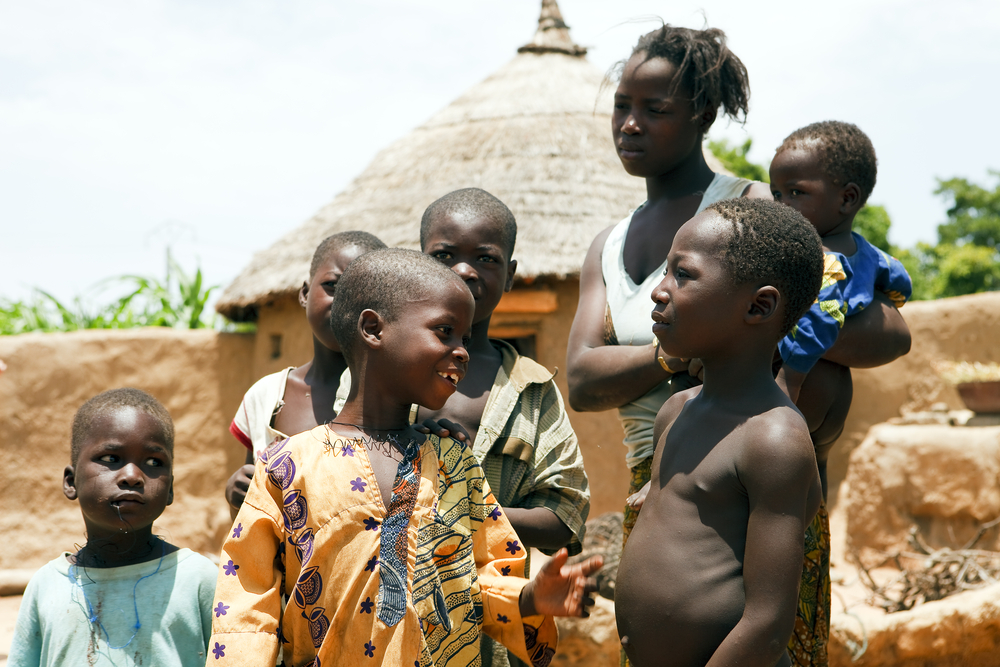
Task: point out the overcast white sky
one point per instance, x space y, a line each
219 126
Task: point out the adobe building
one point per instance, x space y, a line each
537 134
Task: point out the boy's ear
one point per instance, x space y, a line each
170 492
511 268
304 293
69 483
764 305
850 199
370 325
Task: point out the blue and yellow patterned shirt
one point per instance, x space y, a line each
849 286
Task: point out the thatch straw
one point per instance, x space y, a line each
534 134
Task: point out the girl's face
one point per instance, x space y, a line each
655 131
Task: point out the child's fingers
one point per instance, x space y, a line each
590 566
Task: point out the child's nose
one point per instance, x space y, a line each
462 354
131 475
464 271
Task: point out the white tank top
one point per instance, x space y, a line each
629 306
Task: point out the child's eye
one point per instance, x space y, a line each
776 195
487 258
466 341
795 192
154 462
441 255
109 458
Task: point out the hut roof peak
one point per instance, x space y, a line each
552 35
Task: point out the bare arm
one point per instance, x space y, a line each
539 527
600 376
778 470
873 337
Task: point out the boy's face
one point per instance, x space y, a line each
316 296
122 476
473 248
799 180
654 131
697 305
426 345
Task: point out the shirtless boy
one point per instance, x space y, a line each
710 573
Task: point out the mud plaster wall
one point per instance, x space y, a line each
200 376
965 328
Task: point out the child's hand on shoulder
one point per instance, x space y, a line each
444 428
561 590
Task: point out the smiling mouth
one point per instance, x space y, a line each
450 377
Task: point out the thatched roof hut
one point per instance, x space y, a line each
534 134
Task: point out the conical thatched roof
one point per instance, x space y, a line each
534 134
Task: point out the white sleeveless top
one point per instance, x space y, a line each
630 306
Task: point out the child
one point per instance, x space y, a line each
126 597
387 544
507 406
710 573
298 399
826 171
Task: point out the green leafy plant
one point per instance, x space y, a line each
734 158
178 301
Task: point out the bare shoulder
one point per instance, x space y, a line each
671 410
776 447
593 257
758 190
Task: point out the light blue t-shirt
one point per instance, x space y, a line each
174 605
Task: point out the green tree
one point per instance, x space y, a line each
734 158
974 216
873 222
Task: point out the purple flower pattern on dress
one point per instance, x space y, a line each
370 649
371 564
347 449
230 568
505 570
502 618
366 606
219 650
496 513
512 547
220 610
237 530
371 523
358 484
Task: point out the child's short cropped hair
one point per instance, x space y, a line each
773 244
336 242
384 281
114 399
473 202
847 153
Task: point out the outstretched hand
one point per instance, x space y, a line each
560 589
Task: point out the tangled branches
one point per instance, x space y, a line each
933 574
